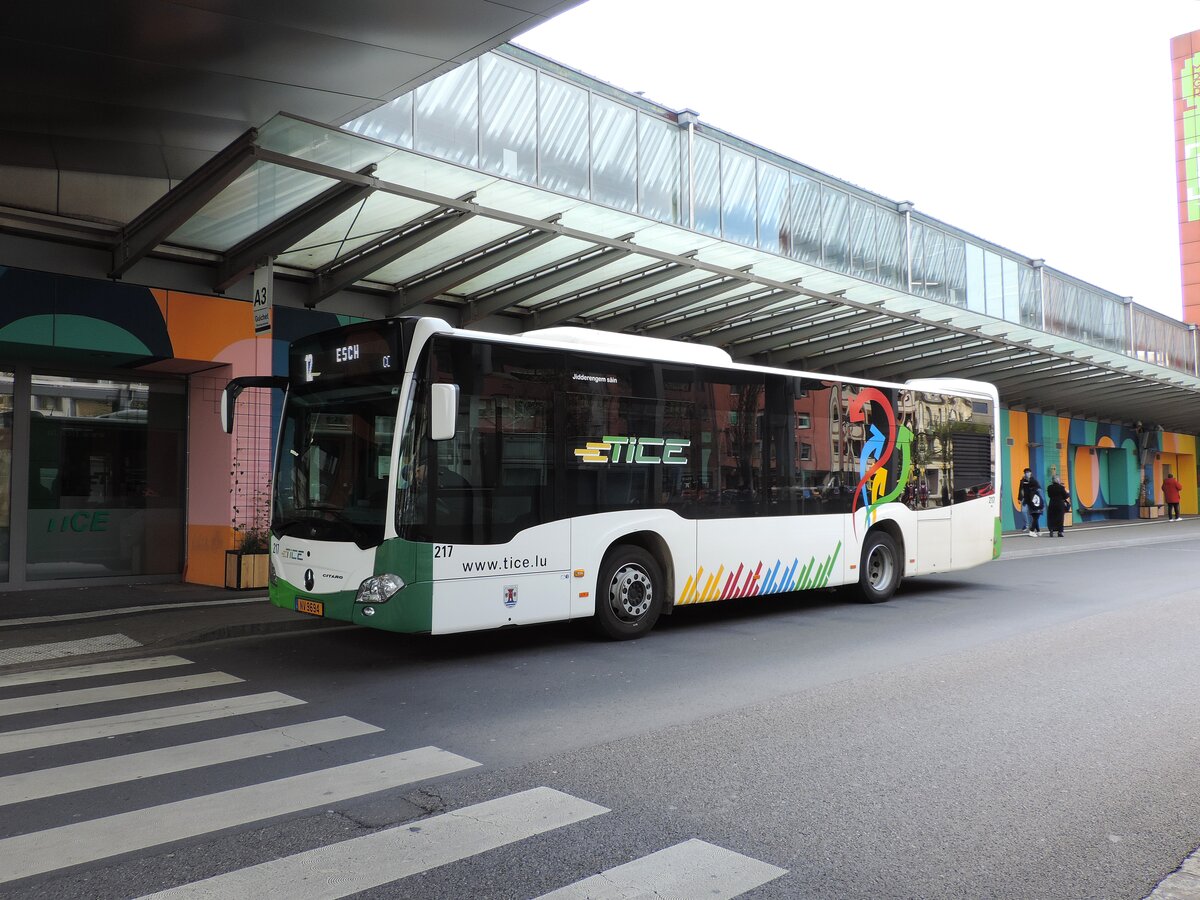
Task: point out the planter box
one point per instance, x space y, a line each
245 570
1149 512
1067 520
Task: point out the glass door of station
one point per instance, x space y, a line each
91 477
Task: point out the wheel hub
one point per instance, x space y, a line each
631 592
879 567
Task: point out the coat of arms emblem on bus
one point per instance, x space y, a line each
648 451
878 450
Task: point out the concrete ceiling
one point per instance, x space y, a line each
155 87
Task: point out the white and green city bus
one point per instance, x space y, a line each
435 479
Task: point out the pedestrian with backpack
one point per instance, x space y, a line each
1029 496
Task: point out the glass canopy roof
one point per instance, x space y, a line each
340 211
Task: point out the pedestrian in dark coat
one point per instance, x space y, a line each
1058 501
1029 497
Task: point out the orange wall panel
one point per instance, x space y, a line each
206 546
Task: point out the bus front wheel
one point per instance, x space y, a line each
629 593
879 569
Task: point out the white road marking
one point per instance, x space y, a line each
342 869
83 842
682 872
147 720
181 758
39 652
62 699
91 670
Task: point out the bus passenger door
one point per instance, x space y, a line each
934 539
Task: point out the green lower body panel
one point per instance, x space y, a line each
332 606
410 610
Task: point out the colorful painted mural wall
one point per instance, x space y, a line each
61 322
1103 465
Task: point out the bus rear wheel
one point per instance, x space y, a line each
629 593
879 569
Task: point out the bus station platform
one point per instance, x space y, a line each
39 629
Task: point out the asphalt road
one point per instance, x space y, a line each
1027 729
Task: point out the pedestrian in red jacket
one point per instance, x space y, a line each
1171 488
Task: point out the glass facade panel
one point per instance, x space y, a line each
863 261
805 226
934 274
916 256
446 116
1031 296
1162 341
1012 293
976 297
889 230
772 208
6 448
391 123
835 228
658 170
508 118
106 463
956 272
706 178
1074 311
614 154
993 285
739 212
563 162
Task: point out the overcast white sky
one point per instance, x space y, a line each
1046 127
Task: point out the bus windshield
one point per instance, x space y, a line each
334 456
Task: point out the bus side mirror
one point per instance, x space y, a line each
228 402
443 411
236 386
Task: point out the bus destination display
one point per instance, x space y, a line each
352 353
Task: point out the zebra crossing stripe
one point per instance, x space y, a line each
83 842
92 670
38 652
181 758
345 868
682 872
62 699
147 720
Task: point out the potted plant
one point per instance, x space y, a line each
247 566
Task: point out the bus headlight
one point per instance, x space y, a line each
378 588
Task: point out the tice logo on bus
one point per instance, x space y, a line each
650 451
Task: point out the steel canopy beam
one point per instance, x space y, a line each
169 213
416 292
692 325
851 345
288 230
630 283
816 320
543 279
978 351
624 320
892 355
383 251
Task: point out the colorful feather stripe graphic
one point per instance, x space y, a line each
746 582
